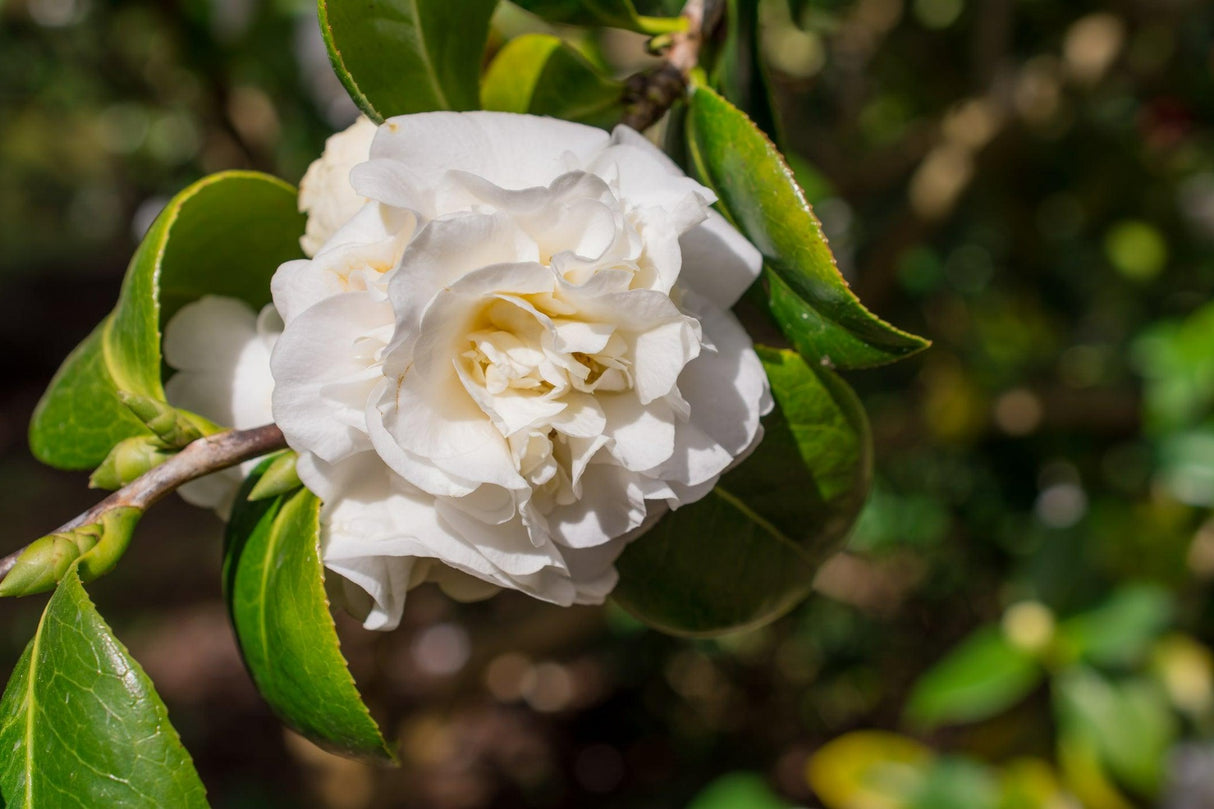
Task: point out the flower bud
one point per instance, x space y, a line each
128 460
175 428
41 566
96 547
279 478
116 527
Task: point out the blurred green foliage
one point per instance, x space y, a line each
1022 619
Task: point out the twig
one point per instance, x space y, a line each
202 457
650 94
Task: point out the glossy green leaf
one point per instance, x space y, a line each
1129 724
1120 630
203 243
274 585
402 56
749 550
981 677
809 297
612 13
81 725
543 75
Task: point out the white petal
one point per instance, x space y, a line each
325 192
326 366
727 391
511 151
718 262
642 437
447 250
441 430
612 504
360 256
646 177
222 362
661 355
419 471
508 546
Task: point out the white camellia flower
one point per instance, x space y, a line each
325 193
510 361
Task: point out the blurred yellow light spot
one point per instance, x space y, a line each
868 769
788 48
795 52
1136 249
1091 45
1029 626
972 123
1186 669
940 179
1201 551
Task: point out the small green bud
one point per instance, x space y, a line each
117 525
128 460
280 477
41 566
95 548
174 427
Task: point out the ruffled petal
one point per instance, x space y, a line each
509 150
326 366
325 192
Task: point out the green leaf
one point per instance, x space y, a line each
953 782
981 677
543 75
203 243
81 725
809 297
612 13
748 551
402 56
738 72
80 418
1128 724
738 790
274 585
869 768
1118 631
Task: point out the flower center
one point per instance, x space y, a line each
520 349
536 370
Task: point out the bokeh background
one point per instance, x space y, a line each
1022 618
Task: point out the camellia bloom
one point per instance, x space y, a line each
513 358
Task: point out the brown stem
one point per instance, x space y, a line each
650 94
202 457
